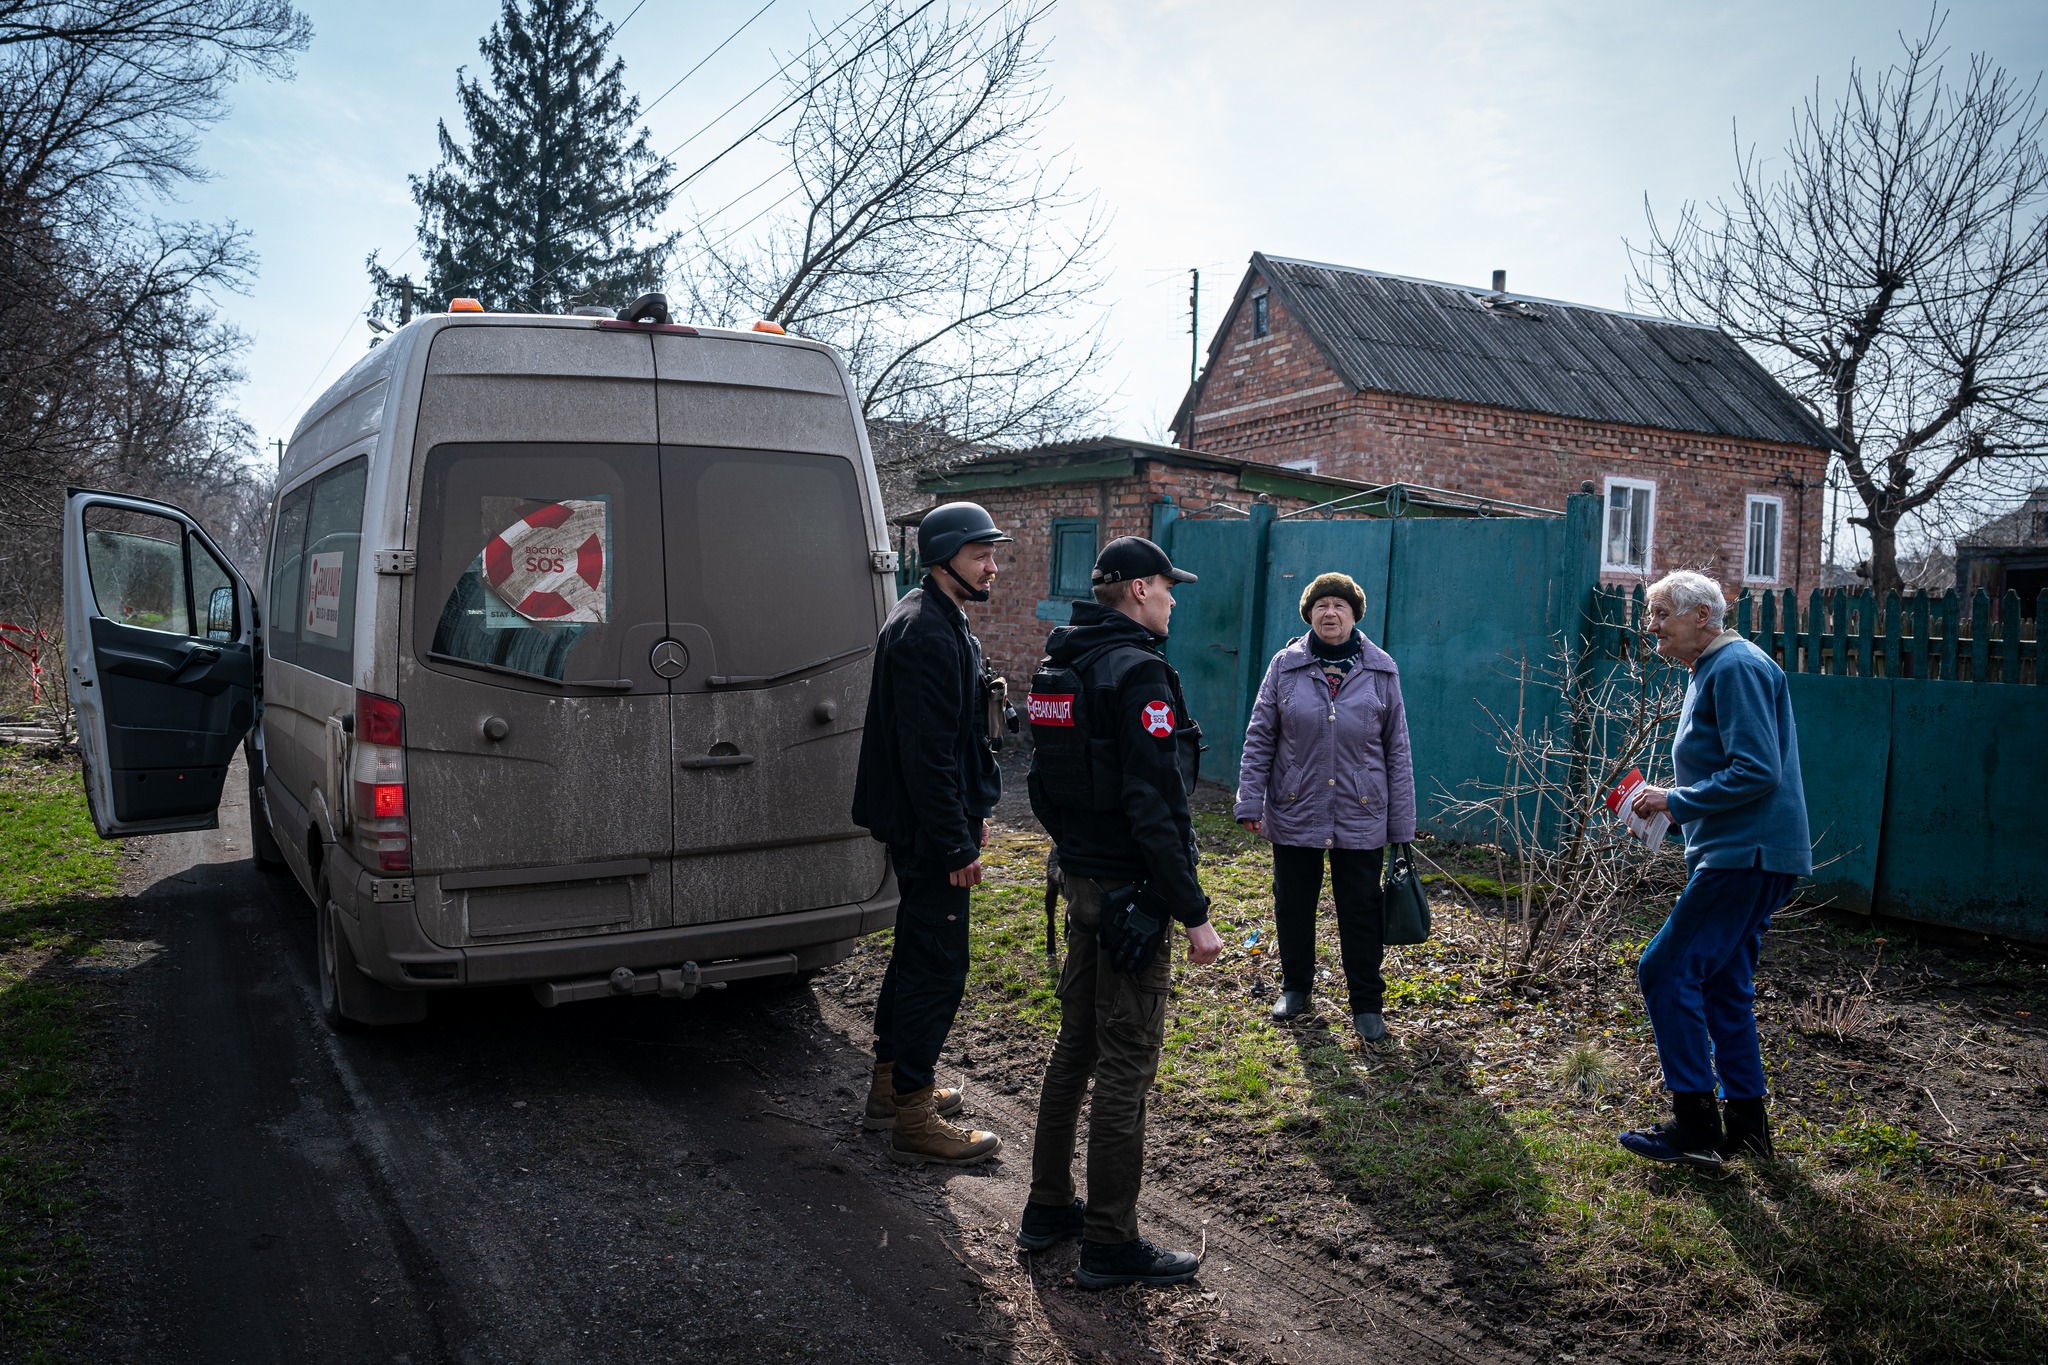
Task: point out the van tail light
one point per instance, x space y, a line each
383 833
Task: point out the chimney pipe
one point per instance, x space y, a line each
1500 281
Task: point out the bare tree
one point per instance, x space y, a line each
1894 274
114 367
930 238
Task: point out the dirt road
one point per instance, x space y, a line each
641 1180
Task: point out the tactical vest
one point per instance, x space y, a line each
1072 709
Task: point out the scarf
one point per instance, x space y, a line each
1336 661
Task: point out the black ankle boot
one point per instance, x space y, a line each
1105 1265
1690 1137
1748 1131
1045 1225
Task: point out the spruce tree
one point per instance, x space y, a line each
550 201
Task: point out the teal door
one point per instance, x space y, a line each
1205 640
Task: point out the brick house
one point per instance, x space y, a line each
1703 461
1063 502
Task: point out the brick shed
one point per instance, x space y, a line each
1063 502
1702 460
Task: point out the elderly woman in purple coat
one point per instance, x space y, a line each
1326 771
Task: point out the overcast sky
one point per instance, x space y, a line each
1443 140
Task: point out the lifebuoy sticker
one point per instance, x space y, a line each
550 565
1157 718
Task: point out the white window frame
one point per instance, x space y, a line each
1649 525
1262 301
1749 507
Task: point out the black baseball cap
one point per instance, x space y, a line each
1129 557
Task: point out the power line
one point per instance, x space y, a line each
771 76
707 56
629 17
536 284
778 112
806 93
342 340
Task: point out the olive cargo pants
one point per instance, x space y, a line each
1111 1027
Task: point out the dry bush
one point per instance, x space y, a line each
1839 1015
1572 868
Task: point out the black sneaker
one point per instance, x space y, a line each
1104 1265
1046 1225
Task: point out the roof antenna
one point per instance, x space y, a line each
1500 281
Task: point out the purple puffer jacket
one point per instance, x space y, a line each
1324 773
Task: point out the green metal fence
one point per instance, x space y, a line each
1849 633
1923 742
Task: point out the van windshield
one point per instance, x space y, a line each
539 558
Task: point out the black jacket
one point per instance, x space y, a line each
926 777
1150 838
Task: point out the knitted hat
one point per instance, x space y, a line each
1334 585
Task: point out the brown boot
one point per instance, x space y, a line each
921 1135
881 1110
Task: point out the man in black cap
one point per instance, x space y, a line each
1113 761
926 785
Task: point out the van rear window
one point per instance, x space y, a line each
768 552
539 558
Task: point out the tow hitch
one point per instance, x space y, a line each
679 982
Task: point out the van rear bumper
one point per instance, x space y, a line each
394 950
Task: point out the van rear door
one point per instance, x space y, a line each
772 597
160 662
537 728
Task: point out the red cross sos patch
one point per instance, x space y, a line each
1157 718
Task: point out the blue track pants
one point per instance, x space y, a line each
1698 978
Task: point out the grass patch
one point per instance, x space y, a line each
56 878
1472 1156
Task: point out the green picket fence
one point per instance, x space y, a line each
1848 633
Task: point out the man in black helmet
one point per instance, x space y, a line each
926 786
1113 760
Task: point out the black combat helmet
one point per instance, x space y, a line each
951 525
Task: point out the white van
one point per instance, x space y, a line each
558 673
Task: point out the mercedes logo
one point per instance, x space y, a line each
670 659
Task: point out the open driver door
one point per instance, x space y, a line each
159 634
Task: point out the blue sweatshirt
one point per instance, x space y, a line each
1739 798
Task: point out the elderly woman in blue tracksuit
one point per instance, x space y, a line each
1742 808
1326 773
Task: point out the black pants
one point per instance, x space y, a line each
1355 885
927 972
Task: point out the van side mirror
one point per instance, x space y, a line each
220 614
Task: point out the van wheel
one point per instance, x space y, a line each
349 1001
263 846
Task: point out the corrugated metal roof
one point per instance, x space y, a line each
1467 345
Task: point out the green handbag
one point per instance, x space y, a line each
1404 904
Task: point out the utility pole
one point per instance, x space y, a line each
405 301
1194 349
279 442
